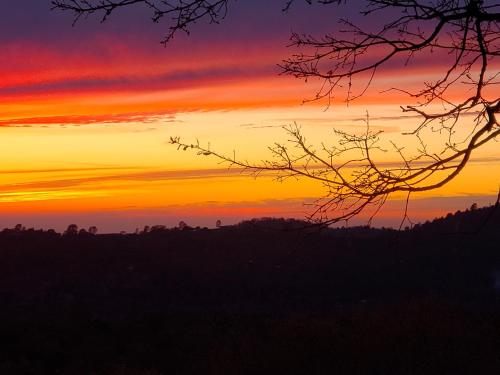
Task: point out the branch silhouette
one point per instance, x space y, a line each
181 13
465 96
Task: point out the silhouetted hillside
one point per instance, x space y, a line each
263 296
472 221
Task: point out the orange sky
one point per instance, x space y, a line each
84 128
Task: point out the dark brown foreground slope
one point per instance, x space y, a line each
257 298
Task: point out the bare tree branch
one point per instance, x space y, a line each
181 13
465 33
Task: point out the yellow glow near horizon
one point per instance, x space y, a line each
113 166
107 151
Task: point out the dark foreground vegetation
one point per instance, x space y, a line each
261 297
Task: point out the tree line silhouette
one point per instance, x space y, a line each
264 296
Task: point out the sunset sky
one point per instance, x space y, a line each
86 113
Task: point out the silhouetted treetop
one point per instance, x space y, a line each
72 230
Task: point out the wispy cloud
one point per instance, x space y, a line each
114 181
146 118
144 176
163 81
65 170
333 122
257 126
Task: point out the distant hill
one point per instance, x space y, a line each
472 220
258 257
